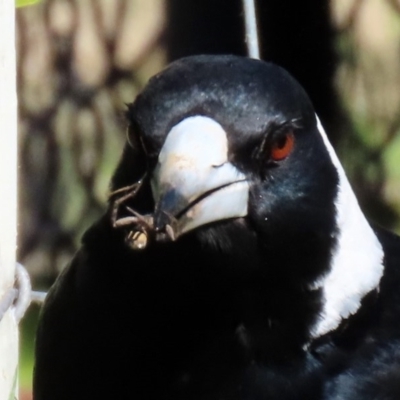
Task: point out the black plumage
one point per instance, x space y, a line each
248 304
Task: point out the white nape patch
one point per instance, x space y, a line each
357 261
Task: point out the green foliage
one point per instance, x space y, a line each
23 3
27 333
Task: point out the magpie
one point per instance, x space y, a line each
233 260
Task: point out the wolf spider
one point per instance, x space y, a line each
142 226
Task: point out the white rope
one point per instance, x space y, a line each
38 297
23 285
7 301
253 47
21 295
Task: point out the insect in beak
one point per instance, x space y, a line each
142 229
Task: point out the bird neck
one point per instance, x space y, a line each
356 265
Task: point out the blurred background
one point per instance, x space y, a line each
80 62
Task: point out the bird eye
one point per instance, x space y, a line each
282 146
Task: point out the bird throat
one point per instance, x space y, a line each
356 261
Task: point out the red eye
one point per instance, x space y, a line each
282 147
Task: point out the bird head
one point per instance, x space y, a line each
229 138
225 147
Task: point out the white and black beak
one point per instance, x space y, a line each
194 183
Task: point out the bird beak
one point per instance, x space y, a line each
193 183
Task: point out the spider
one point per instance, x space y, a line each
142 226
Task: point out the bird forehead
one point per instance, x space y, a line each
235 83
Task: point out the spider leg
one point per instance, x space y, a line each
126 221
123 189
170 232
130 192
146 220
